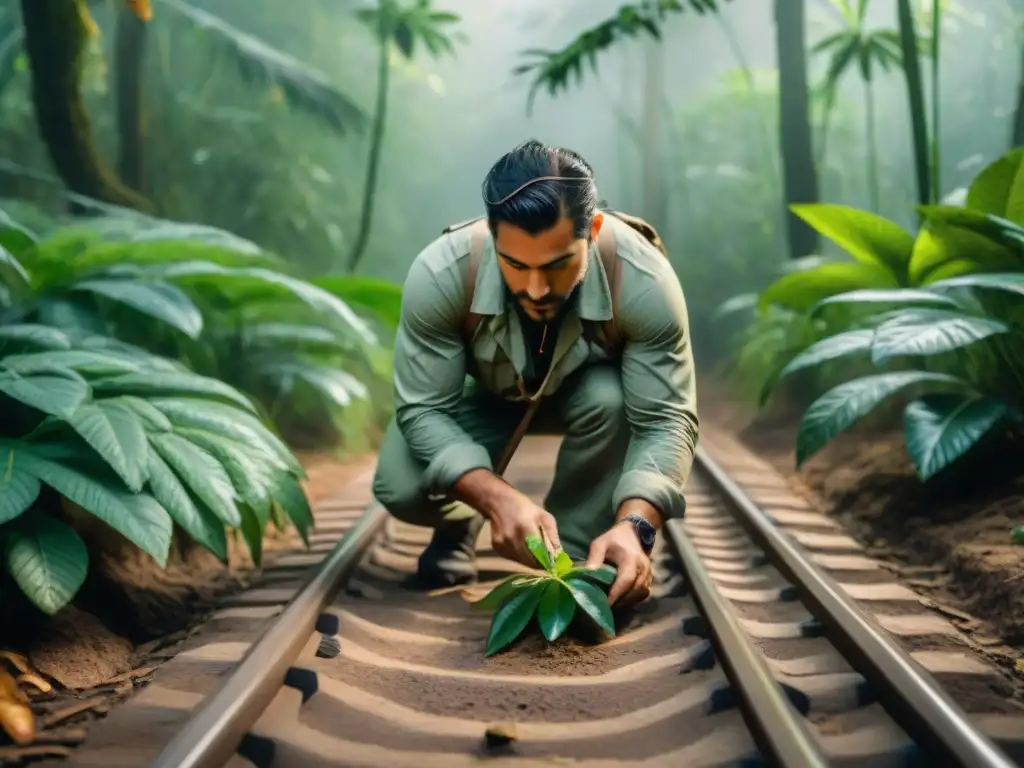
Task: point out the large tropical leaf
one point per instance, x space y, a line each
33 334
12 274
194 517
335 386
824 351
928 331
381 298
19 488
116 434
939 244
155 298
56 392
1008 282
842 406
799 291
83 361
258 62
250 477
939 429
891 296
171 383
202 473
47 560
999 188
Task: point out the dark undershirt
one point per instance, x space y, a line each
540 348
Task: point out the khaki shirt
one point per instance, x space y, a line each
658 382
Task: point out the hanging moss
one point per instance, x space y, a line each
56 35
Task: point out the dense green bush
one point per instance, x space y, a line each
104 330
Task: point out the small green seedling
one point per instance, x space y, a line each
554 597
1017 535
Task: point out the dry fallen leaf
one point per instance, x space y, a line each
141 8
15 716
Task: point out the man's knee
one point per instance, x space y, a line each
396 480
602 402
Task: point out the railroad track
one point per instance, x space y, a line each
771 640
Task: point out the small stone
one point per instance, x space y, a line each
500 735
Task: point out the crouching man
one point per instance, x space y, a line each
547 301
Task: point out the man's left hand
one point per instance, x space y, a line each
620 546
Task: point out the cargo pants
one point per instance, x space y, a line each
588 410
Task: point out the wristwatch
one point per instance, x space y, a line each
644 531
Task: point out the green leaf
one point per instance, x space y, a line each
825 351
195 519
802 290
500 593
895 296
47 559
1008 282
866 236
57 395
13 274
536 546
555 610
151 416
563 564
44 336
115 433
19 489
252 531
230 422
940 429
171 383
287 492
157 299
381 298
511 619
924 331
603 574
940 244
335 386
593 601
83 361
137 517
1017 534
842 406
201 472
992 189
250 477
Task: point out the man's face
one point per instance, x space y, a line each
541 270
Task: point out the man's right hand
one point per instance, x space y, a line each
515 519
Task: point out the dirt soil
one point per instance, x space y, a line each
129 617
949 541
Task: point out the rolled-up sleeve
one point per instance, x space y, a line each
429 374
659 388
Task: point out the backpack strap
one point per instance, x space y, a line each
478 237
607 249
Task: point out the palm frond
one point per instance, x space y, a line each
303 86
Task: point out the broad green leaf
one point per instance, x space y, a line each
38 335
116 434
500 593
171 383
152 417
536 546
842 406
866 236
53 394
825 351
563 564
381 298
47 559
297 337
1009 282
14 236
201 473
1017 534
555 610
195 519
157 299
137 517
950 269
894 296
335 386
992 189
593 601
229 421
70 315
992 226
287 492
940 429
12 273
799 291
19 488
83 361
252 531
251 478
511 619
925 331
603 574
938 244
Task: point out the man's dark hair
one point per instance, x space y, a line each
539 205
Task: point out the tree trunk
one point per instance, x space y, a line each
55 41
1017 137
376 143
915 99
129 63
799 176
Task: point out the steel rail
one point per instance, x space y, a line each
214 730
911 696
778 728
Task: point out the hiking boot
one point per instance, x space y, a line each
450 558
